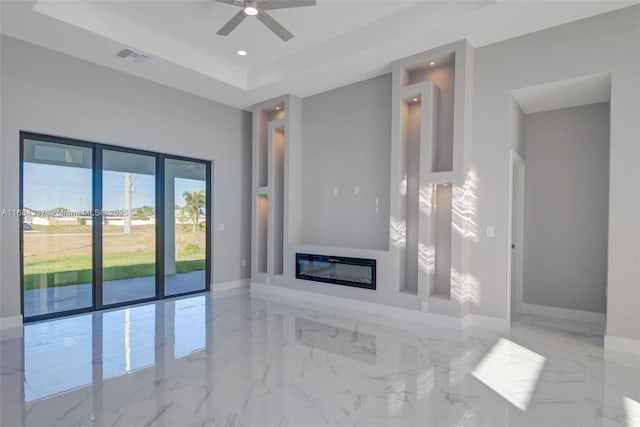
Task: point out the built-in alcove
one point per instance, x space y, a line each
265 116
411 119
430 159
262 222
270 150
419 117
277 150
262 151
441 72
427 136
442 208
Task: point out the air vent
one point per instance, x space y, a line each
131 56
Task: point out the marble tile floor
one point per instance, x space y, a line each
234 360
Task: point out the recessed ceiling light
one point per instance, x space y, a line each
242 52
415 99
251 10
278 108
432 63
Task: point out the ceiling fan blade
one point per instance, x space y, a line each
284 4
232 24
274 26
233 2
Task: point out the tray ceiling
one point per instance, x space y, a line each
336 42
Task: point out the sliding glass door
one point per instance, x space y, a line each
57 243
104 226
128 227
186 223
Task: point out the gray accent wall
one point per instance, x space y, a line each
346 143
566 207
48 92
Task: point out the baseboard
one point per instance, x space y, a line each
621 345
348 304
563 313
233 284
10 322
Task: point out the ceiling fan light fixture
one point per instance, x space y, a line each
251 10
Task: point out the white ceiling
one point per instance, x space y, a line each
583 90
336 42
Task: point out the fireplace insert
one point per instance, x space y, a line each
357 272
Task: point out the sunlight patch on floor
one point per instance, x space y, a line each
631 412
512 371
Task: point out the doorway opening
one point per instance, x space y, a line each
559 202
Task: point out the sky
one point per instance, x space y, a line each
52 186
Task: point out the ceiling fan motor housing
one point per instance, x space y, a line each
250 7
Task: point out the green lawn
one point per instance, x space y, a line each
66 271
60 255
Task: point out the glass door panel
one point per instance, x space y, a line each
56 227
128 227
185 196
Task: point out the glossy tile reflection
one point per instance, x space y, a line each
240 361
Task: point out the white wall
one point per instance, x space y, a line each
566 207
346 137
48 92
606 43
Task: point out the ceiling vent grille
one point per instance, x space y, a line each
131 56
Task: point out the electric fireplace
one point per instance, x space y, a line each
357 272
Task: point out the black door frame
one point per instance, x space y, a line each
96 230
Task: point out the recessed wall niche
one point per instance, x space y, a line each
264 117
419 137
271 151
276 151
430 162
411 113
441 72
262 233
442 207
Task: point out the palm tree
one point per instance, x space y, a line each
195 203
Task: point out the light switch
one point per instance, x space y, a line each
336 190
491 231
220 227
356 190
244 262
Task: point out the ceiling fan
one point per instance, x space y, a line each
257 8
